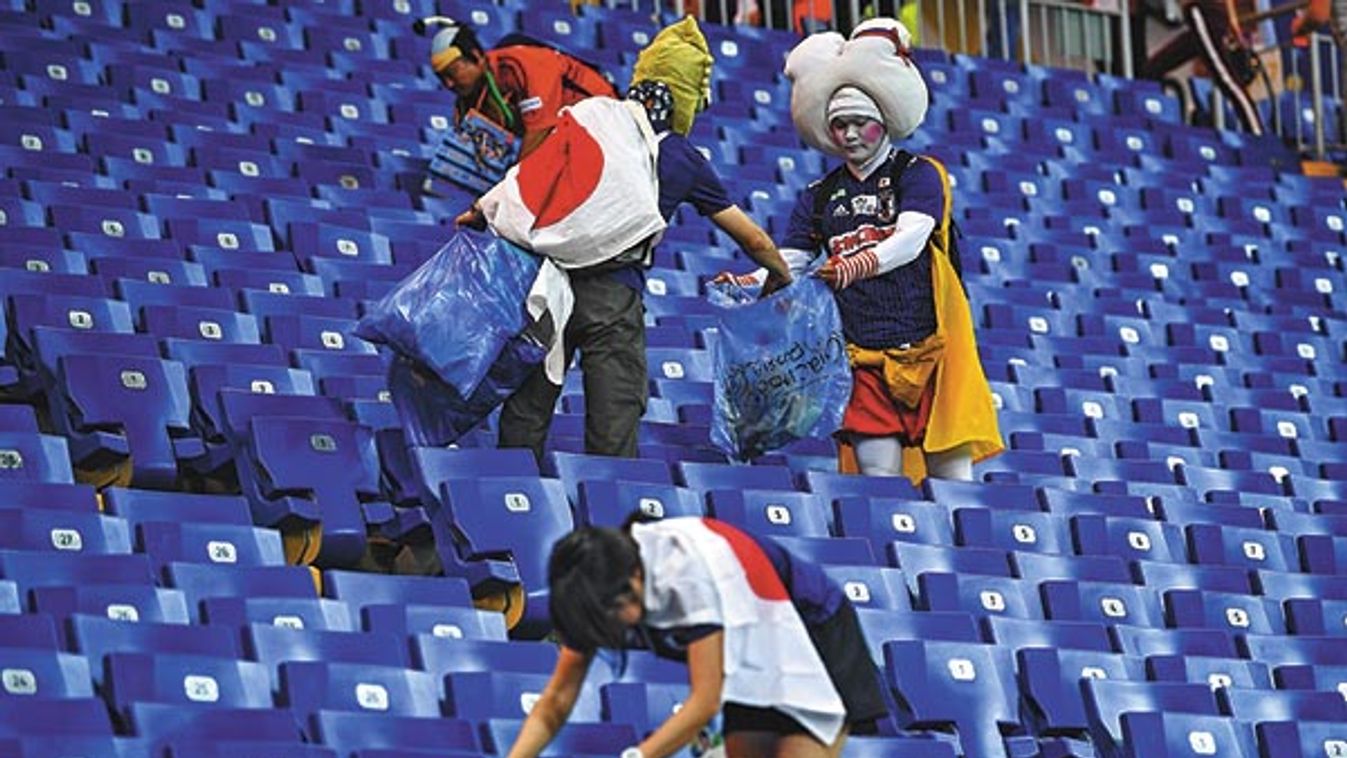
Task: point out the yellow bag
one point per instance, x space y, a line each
679 57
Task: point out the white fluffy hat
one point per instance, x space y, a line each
874 60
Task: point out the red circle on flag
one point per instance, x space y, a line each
561 174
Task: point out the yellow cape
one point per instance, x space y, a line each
962 412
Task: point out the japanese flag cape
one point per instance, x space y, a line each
700 571
588 193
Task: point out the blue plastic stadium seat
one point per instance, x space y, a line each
1128 538
982 596
44 674
270 280
1106 701
315 333
883 520
573 469
35 458
360 590
1323 554
1238 614
139 294
1165 734
1038 568
163 723
146 400
272 645
190 681
915 559
96 637
942 683
482 695
123 602
1301 737
24 717
769 513
319 614
200 582
288 468
1051 679
454 622
1011 530
1253 549
833 486
442 655
872 587
608 502
307 687
1102 603
381 736
210 543
199 324
520 516
574 738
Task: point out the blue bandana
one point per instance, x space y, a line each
657 99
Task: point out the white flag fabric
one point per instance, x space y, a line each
588 193
701 571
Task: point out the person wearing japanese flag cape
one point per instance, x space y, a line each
769 639
594 198
920 403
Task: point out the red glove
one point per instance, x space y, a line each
841 272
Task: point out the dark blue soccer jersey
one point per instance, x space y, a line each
894 308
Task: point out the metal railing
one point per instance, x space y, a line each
1096 38
1324 60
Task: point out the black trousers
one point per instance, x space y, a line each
1207 25
607 327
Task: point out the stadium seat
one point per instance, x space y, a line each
606 502
575 738
948 683
184 680
288 612
1175 734
374 734
200 582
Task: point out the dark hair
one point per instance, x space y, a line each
590 569
466 40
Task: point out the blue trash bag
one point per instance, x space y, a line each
434 414
781 369
461 337
455 313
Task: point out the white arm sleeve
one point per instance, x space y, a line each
909 238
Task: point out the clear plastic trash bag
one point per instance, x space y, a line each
780 365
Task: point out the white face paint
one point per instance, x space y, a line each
858 137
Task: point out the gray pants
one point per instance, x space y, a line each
607 326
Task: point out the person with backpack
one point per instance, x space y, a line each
881 222
520 84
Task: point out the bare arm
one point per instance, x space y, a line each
554 706
756 244
706 675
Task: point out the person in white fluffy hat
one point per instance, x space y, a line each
920 403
